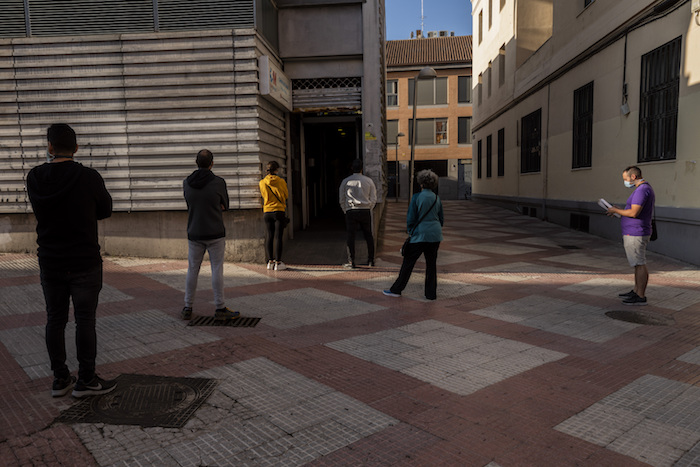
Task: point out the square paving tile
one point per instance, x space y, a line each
560 317
29 298
501 248
234 276
261 413
691 357
450 357
119 338
650 420
672 298
22 267
415 289
300 307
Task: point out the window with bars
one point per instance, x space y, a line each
502 66
583 127
478 159
464 130
392 93
430 91
464 89
658 103
429 131
530 144
489 156
501 152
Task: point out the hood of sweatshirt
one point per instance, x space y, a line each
200 178
273 181
52 182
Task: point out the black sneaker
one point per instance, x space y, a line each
635 300
186 313
226 313
627 294
94 388
62 386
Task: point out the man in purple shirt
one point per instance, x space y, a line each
636 230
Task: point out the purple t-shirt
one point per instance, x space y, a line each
640 226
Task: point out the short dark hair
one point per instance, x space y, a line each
272 167
356 166
62 138
205 159
634 170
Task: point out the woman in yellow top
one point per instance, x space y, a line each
274 192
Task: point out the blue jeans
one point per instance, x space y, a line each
216 249
84 288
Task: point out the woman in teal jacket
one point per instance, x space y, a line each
425 219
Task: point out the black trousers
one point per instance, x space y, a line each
411 255
361 218
83 287
274 231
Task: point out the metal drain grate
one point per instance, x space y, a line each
143 400
641 317
570 247
241 322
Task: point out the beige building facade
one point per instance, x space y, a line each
568 94
443 113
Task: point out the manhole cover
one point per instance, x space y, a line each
143 400
570 247
241 322
641 317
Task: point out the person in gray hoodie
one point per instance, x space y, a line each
68 199
206 197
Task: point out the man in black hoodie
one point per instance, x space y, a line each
206 198
68 199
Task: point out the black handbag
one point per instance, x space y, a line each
408 239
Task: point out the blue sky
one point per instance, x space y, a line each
403 16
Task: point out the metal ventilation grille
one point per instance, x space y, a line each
204 14
326 83
84 17
13 24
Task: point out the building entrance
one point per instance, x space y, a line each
330 148
328 145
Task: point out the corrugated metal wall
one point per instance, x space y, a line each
142 106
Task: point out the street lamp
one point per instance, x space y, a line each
425 73
396 186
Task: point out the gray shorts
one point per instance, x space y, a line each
636 249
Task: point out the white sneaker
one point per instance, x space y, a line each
280 266
270 265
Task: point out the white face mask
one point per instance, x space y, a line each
49 156
629 184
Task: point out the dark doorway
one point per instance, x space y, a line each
330 146
330 149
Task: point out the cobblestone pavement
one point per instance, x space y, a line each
515 364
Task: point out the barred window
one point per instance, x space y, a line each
583 127
658 112
489 156
530 145
501 152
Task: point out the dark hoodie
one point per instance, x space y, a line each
206 198
68 199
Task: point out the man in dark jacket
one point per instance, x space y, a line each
68 199
206 198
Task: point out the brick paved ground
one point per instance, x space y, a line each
515 364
